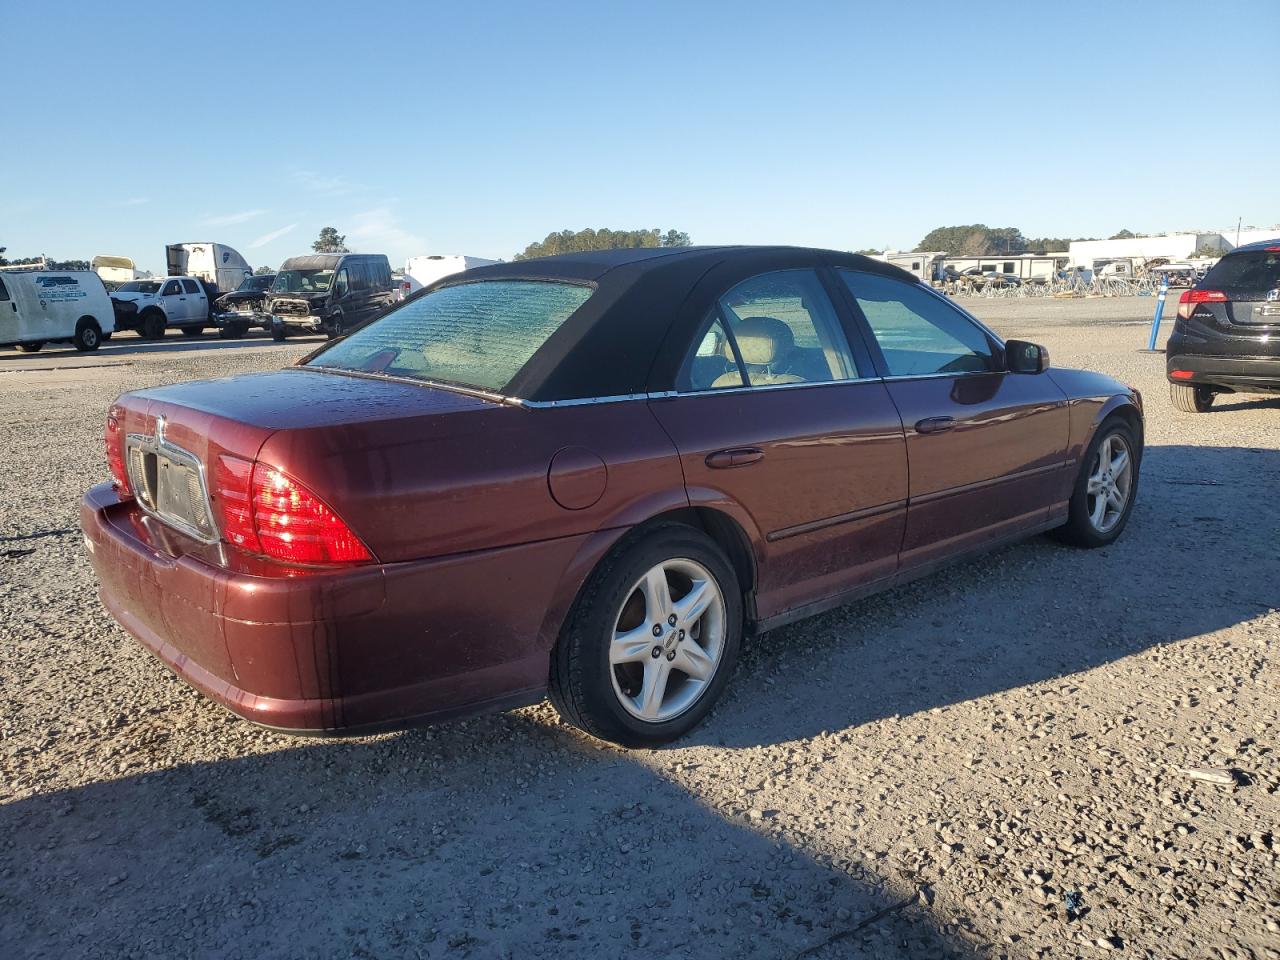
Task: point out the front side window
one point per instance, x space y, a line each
471 334
918 332
171 289
774 329
342 284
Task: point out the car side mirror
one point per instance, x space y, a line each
1023 357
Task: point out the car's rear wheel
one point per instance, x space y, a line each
33 347
88 335
1106 488
1191 399
652 640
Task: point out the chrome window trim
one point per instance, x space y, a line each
766 386
160 444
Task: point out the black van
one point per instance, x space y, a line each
331 293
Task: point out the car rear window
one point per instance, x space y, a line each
1256 271
472 334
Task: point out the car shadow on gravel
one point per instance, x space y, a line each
127 345
1198 555
1229 402
507 836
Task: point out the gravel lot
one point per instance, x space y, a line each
1000 747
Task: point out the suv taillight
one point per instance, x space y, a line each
265 511
1187 302
114 437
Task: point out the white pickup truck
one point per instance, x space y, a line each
163 302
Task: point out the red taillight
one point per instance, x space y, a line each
1189 298
114 437
233 487
266 511
1180 374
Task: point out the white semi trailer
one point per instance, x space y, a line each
215 263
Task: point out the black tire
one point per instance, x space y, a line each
278 332
1080 530
1191 399
336 326
233 331
33 347
88 335
151 325
193 331
582 681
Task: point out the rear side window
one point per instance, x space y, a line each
472 334
919 333
356 271
190 286
1257 271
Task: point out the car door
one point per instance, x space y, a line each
173 302
195 300
777 423
986 448
10 317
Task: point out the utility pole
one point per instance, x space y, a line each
1238 222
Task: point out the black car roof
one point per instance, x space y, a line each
319 261
1255 247
633 332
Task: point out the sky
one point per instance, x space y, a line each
468 128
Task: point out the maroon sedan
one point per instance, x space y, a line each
591 475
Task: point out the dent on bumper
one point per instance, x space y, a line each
332 651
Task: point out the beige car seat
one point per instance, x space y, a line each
766 344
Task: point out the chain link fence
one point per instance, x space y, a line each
1073 287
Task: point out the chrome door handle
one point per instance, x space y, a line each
935 424
737 457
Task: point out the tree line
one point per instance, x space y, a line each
569 241
979 240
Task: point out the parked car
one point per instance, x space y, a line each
594 475
234 313
1226 338
330 293
163 302
40 307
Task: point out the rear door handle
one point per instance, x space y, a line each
935 424
737 457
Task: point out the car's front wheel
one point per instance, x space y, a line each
652 640
1191 399
1105 489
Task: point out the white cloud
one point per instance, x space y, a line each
266 238
231 219
379 230
329 186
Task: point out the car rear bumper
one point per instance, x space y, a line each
350 651
1234 373
231 317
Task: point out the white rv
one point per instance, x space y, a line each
54 307
420 272
215 263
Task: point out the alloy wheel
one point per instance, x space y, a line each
668 640
1110 483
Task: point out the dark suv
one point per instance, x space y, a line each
1227 335
331 293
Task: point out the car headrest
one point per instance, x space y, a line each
761 340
